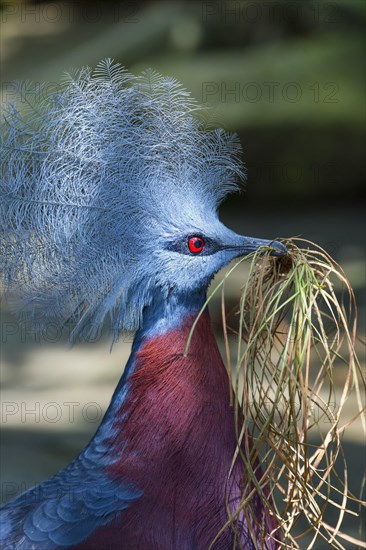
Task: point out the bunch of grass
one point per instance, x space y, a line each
296 338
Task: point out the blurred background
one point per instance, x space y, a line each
289 78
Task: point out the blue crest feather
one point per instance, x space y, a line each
92 173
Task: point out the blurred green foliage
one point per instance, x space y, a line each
288 76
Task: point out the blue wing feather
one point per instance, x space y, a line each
66 509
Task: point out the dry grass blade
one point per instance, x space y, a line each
297 329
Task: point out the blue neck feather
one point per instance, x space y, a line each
161 315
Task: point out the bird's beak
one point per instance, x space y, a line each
245 245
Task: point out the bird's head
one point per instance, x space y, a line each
192 245
110 192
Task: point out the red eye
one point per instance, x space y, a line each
196 245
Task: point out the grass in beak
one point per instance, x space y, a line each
296 334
